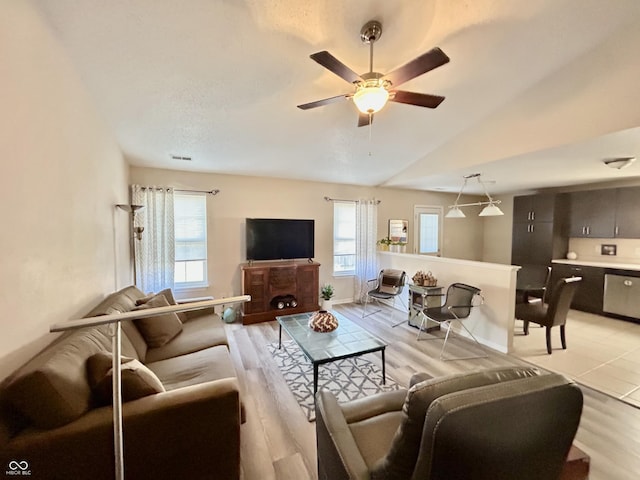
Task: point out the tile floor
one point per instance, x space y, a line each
602 353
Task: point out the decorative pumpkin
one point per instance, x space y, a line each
323 322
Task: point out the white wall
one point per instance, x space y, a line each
241 197
63 244
491 323
498 233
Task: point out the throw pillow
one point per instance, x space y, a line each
159 329
137 380
168 294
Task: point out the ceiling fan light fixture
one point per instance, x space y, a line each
370 99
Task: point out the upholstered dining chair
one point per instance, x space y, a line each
498 424
388 286
532 280
553 314
457 305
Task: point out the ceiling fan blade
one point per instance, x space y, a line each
364 119
324 101
416 67
330 62
418 99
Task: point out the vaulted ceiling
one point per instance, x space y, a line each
538 93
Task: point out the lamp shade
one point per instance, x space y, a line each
491 210
371 99
455 212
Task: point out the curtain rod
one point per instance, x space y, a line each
215 191
329 199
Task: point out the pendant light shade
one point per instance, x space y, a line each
455 212
490 208
491 211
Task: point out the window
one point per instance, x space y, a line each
344 238
190 219
428 231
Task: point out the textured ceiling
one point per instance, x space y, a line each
537 93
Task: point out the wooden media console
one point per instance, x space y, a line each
294 283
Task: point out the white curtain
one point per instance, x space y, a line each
155 252
366 258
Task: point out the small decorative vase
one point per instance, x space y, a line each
572 255
326 304
323 322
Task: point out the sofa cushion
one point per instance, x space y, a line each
52 388
198 367
159 329
132 335
122 301
168 294
374 435
137 381
197 334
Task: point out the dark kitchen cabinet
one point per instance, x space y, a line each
627 216
592 213
532 243
538 229
588 297
530 208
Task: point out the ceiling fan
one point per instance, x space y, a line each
373 89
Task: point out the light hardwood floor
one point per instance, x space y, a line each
277 441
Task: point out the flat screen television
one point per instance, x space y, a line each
279 239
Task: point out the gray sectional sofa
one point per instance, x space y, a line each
187 425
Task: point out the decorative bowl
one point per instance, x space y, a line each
323 322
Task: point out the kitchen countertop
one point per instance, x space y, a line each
601 264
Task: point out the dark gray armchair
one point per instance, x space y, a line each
498 424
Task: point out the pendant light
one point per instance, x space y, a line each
491 208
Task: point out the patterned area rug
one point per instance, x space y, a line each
348 379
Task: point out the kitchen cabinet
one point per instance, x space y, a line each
607 213
591 213
538 229
533 243
588 297
627 218
530 208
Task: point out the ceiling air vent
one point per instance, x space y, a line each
180 157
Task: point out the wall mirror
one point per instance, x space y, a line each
398 230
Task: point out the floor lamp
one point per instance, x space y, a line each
137 233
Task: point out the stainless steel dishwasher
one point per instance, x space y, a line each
622 295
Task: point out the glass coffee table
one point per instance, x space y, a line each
346 341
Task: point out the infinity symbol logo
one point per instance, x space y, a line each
15 465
